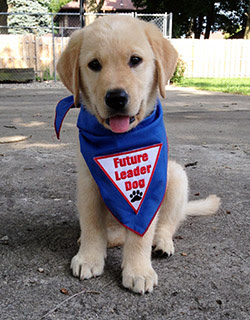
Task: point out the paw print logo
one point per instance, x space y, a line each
136 196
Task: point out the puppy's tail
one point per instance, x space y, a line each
203 207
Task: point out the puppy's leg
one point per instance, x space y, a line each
172 211
89 261
138 274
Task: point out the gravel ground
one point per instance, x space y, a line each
33 85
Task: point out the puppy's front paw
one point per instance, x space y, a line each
86 268
139 281
163 247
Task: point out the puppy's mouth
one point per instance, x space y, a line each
120 124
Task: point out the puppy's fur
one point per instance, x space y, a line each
112 41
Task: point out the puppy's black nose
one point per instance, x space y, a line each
116 99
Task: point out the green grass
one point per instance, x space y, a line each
230 85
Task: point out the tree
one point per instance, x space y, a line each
39 22
234 17
198 16
55 5
247 31
93 5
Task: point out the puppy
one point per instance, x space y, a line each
116 66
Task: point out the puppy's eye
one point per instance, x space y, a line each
95 65
134 61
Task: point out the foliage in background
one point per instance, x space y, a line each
45 76
229 85
179 71
39 24
90 5
200 16
55 5
190 17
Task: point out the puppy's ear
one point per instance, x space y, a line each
68 65
165 54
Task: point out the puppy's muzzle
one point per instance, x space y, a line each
116 99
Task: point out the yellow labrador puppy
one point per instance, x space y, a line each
116 66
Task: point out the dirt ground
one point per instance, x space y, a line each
209 275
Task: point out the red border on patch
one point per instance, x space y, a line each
128 152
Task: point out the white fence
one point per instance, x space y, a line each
203 58
214 58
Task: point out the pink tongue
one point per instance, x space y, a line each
119 124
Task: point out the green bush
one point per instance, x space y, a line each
45 75
179 72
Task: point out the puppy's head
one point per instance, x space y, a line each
117 63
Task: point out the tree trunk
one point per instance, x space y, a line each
247 31
198 26
92 6
3 18
210 21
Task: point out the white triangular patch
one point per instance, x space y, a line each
131 172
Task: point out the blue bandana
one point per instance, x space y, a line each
129 168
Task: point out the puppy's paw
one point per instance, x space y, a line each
139 281
86 268
163 247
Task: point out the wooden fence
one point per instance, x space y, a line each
214 58
31 51
203 58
